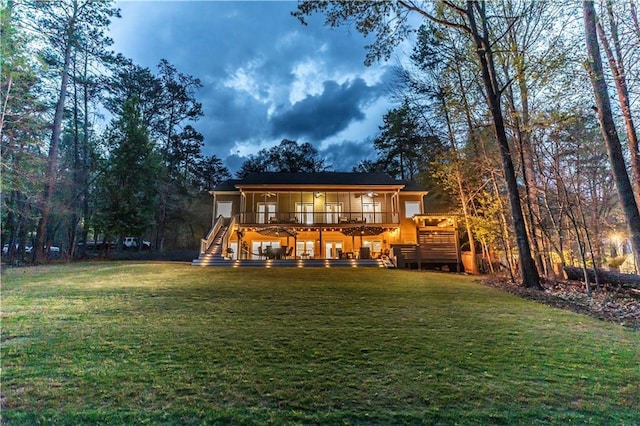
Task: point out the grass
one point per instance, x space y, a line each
163 343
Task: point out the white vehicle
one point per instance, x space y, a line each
5 249
132 242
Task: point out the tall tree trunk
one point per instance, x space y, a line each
52 159
530 277
608 128
85 158
617 69
463 196
521 125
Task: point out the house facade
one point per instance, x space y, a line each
326 215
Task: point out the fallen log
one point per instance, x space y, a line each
604 277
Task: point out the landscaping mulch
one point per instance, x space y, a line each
612 303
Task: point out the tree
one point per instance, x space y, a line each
616 58
608 128
288 156
402 142
168 106
130 176
388 20
209 172
129 80
65 27
22 130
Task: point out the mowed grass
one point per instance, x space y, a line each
163 343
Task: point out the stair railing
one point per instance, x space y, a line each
206 242
227 235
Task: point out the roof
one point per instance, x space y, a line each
318 178
227 185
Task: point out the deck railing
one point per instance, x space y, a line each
318 218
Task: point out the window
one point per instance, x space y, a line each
304 249
260 247
375 246
225 208
411 208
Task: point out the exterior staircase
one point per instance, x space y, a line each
213 256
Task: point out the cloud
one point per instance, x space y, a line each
320 116
343 156
265 77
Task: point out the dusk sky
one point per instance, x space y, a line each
265 76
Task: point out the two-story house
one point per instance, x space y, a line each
327 216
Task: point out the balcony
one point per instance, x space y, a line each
293 219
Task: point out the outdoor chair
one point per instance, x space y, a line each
289 252
339 251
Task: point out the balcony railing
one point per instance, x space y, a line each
317 218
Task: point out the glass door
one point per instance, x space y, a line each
259 249
266 211
304 213
372 212
332 212
333 249
304 249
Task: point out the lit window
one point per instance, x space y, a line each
411 208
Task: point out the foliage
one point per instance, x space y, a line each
130 176
288 156
22 129
404 146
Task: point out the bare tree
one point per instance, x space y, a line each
608 128
388 21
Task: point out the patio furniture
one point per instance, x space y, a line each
365 253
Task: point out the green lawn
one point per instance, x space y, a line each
149 343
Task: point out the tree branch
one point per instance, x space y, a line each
408 4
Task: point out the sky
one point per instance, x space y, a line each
265 76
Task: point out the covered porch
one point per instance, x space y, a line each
310 243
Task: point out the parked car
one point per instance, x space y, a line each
132 242
5 249
29 249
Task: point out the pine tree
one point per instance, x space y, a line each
130 177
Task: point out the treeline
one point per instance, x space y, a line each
67 181
518 114
534 104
